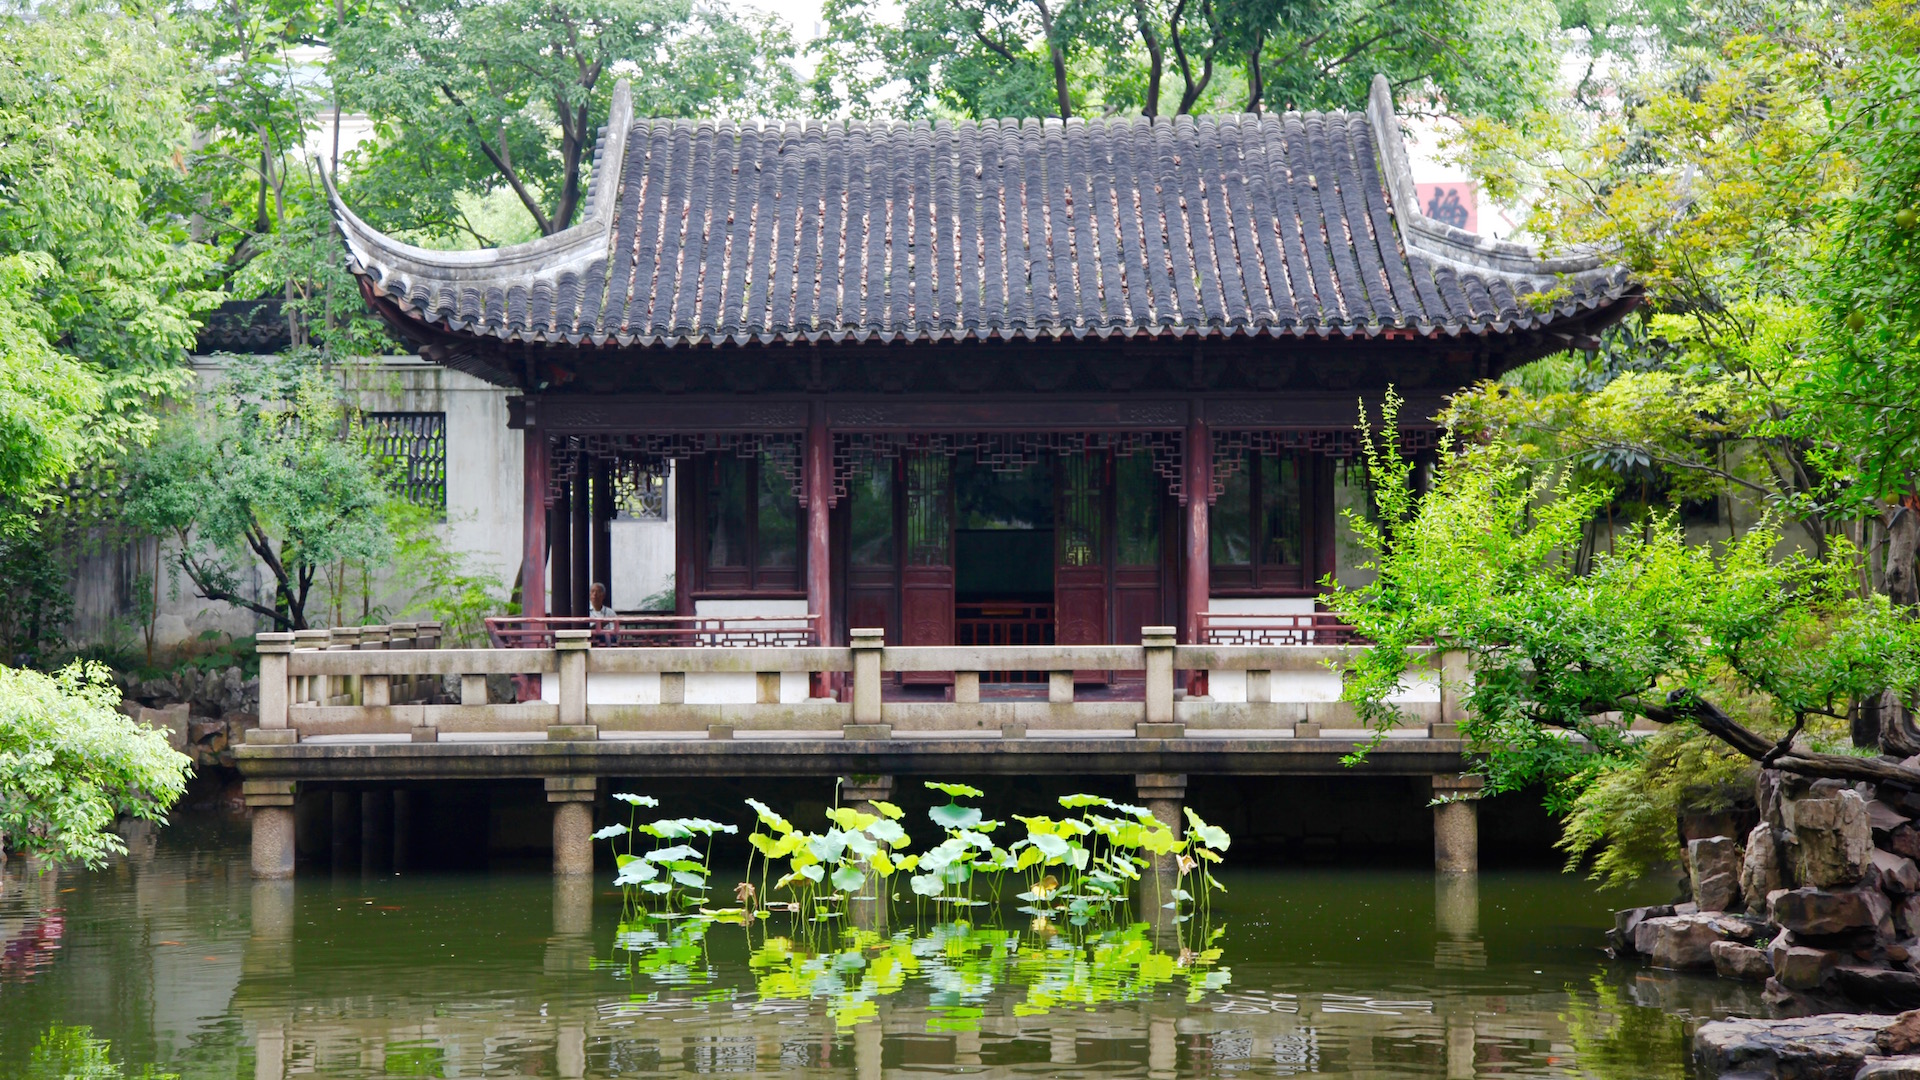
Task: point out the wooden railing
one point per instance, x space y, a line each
309 688
1305 628
661 631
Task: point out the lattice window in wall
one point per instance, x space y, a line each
413 446
640 491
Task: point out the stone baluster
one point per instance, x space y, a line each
867 722
1160 721
571 648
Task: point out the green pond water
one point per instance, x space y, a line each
183 963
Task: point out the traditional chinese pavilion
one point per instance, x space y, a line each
1010 381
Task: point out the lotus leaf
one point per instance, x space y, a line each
769 818
1054 847
926 884
954 791
635 872
827 846
888 832
881 864
848 878
637 800
1076 802
891 811
610 832
954 816
668 854
813 872
1212 836
851 819
658 888
690 879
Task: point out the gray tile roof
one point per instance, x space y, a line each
697 232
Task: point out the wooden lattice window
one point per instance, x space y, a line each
412 448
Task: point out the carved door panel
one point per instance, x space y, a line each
1080 554
871 547
926 581
1140 542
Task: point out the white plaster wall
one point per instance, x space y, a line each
484 466
643 554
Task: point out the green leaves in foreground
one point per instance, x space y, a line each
70 763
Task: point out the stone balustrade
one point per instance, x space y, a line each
364 682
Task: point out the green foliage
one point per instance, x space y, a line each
270 470
993 58
35 603
473 95
1615 1039
1729 640
70 1052
98 284
1868 284
443 583
70 764
1621 823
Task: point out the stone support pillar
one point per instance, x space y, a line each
271 802
1165 796
1456 922
572 799
1456 824
861 792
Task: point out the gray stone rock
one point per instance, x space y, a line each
1897 873
1627 920
1881 987
1801 968
1736 961
1811 912
1884 818
1906 916
1904 840
1713 866
1829 838
1826 1047
1760 866
1685 942
1889 1068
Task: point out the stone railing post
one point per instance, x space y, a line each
342 689
375 689
571 648
1454 677
304 686
407 688
868 646
1160 721
273 650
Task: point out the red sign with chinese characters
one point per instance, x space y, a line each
1456 203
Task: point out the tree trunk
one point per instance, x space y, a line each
1893 718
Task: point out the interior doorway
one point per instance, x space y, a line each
1003 553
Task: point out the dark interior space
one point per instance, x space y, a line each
1275 822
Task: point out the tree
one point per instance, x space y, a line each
1760 653
271 471
987 58
71 764
99 280
470 95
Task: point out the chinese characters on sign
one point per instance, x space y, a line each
1455 203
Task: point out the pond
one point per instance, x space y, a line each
185 964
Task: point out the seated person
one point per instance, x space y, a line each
597 604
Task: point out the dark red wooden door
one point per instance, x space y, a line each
1140 542
926 581
1080 553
